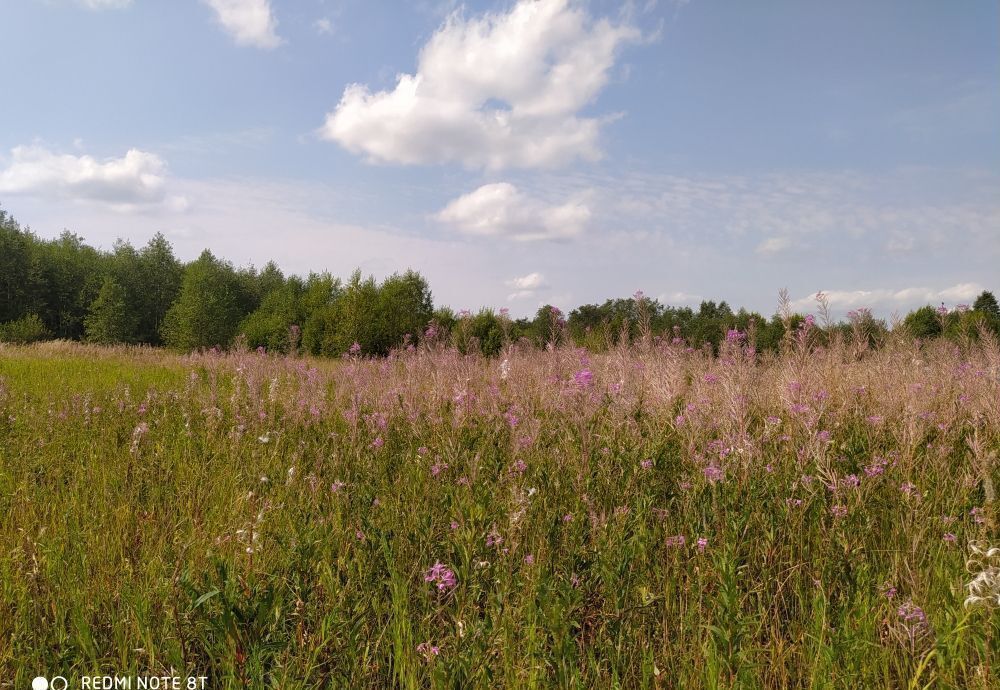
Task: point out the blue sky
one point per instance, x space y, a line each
519 153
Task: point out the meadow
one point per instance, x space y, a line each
651 516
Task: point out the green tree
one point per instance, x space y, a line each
158 283
207 311
923 323
110 320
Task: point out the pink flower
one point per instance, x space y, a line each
583 378
529 559
378 442
646 464
702 544
442 577
950 538
355 348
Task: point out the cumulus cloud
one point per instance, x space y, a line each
323 26
249 22
501 210
962 293
526 286
495 91
136 179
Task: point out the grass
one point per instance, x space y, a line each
647 517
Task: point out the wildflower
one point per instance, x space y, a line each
771 419
355 348
359 535
646 464
442 577
889 590
493 539
913 619
529 559
422 450
583 378
839 511
378 442
568 517
676 540
438 467
710 378
337 486
454 525
713 473
428 651
735 335
908 488
702 544
520 466
950 538
264 439
977 516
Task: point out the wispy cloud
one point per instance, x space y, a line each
104 4
903 298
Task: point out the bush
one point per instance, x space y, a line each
27 329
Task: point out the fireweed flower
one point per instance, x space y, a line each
428 651
913 620
442 577
583 378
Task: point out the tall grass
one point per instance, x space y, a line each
646 517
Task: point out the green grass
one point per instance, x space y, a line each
191 522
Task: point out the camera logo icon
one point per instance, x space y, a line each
42 683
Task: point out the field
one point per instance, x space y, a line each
650 516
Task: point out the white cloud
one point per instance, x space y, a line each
500 209
137 179
496 91
843 300
249 22
526 286
774 245
104 4
323 26
674 299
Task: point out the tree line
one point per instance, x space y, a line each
63 288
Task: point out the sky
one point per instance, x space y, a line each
524 152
